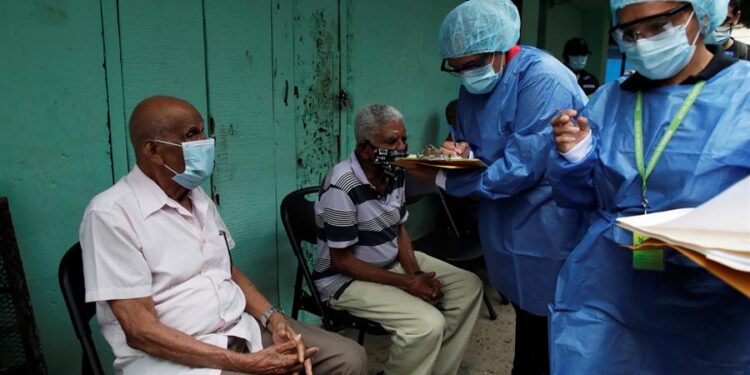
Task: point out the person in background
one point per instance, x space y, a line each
722 35
673 135
366 264
508 95
576 55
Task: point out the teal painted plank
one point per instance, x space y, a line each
55 155
316 86
239 47
162 49
284 104
118 119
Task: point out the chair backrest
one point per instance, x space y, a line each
70 276
298 217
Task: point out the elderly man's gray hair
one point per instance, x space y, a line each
372 118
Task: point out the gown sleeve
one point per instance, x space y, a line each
524 159
573 183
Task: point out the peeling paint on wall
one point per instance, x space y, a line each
316 54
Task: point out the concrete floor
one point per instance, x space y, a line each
490 350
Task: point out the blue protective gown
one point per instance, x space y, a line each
525 236
611 319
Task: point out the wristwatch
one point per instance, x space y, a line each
266 317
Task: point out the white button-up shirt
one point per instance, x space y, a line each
137 242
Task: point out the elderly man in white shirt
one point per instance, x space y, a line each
156 260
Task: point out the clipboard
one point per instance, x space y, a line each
451 163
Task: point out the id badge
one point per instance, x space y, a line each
650 259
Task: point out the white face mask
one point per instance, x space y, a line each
481 80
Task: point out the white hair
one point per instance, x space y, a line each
372 118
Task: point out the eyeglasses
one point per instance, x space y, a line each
445 67
725 28
646 27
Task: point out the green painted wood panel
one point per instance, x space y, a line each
316 86
391 56
239 55
55 153
118 118
306 74
162 52
285 143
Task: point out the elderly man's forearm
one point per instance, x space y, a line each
406 251
256 302
144 332
170 344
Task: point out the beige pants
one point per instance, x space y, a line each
338 355
424 340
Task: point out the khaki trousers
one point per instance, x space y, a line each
338 355
425 340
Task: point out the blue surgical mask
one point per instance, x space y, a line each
720 36
481 80
578 62
664 55
199 162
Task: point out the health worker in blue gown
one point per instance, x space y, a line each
673 135
508 95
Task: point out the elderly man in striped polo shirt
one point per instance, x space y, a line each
366 264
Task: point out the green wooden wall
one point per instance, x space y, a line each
266 75
55 153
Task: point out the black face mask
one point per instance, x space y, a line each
384 158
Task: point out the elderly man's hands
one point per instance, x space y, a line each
283 333
280 358
426 287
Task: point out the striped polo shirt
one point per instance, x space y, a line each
349 213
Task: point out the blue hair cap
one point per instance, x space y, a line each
479 26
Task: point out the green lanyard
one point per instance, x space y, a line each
645 172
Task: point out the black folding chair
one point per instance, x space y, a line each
70 276
451 245
298 216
